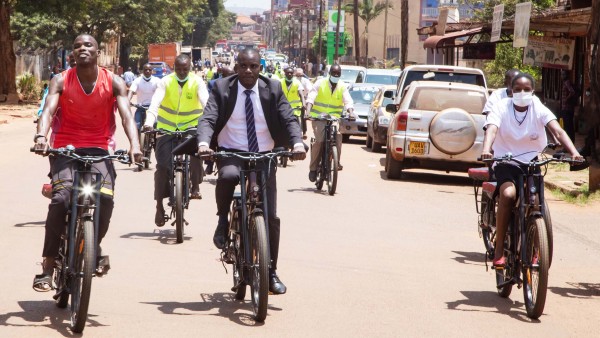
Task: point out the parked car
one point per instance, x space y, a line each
362 95
160 69
438 125
438 73
225 58
378 119
351 74
382 76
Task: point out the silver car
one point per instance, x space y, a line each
437 125
362 95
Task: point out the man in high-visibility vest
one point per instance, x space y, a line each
329 95
177 103
292 89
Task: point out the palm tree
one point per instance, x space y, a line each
368 11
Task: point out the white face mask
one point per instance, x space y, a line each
334 79
147 78
522 99
182 80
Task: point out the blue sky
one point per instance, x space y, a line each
265 4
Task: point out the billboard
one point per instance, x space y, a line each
333 18
522 16
549 52
497 23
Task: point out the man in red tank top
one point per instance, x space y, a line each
87 96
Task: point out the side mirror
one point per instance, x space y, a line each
391 108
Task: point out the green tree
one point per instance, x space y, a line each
368 11
8 85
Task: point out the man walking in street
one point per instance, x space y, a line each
248 112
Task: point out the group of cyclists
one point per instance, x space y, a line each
245 110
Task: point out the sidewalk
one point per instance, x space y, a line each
9 112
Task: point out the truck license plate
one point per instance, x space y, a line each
416 148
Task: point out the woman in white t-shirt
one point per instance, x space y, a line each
517 125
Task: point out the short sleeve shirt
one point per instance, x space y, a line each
496 96
524 140
144 89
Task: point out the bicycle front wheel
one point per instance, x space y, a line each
60 275
147 149
259 252
535 268
237 251
179 206
333 171
81 279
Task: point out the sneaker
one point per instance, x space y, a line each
312 176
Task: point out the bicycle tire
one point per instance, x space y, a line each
535 289
259 252
284 161
487 233
147 149
505 274
60 275
179 206
81 280
548 222
333 171
238 250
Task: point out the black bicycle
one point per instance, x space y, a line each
528 244
147 140
179 199
76 263
327 171
247 247
284 159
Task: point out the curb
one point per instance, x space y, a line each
564 189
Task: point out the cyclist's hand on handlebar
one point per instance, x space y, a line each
41 146
298 153
486 155
205 151
136 154
577 158
147 128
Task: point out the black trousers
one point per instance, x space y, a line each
163 175
62 170
568 122
229 177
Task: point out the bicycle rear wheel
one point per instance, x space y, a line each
60 275
259 252
146 148
179 206
535 268
237 251
81 279
333 171
506 274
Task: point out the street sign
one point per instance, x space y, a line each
522 16
497 23
333 18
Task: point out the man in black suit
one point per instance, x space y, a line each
248 112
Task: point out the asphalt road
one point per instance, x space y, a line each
380 258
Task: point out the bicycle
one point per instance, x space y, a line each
528 244
77 263
247 247
284 159
179 198
329 162
148 141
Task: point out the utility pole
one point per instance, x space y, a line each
337 32
319 39
387 5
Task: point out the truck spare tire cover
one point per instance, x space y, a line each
452 131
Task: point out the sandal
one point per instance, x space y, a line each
42 282
102 265
196 195
499 263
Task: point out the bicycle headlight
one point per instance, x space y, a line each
87 190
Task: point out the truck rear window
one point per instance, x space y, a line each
438 99
417 75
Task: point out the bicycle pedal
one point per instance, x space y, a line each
58 294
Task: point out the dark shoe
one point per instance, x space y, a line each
42 283
220 234
340 166
102 265
276 287
196 195
312 176
159 217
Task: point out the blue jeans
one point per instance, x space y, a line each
140 117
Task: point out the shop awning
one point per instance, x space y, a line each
447 40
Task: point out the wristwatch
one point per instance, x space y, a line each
36 136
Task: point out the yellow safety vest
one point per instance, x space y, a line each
181 107
292 94
327 102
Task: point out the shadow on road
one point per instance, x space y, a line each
225 303
474 258
30 224
578 290
166 236
311 189
488 301
431 178
43 313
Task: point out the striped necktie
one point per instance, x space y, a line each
250 127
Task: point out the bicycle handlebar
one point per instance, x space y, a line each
509 157
329 117
249 156
137 105
69 151
168 132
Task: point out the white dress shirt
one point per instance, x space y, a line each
495 97
160 92
234 135
346 98
144 90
